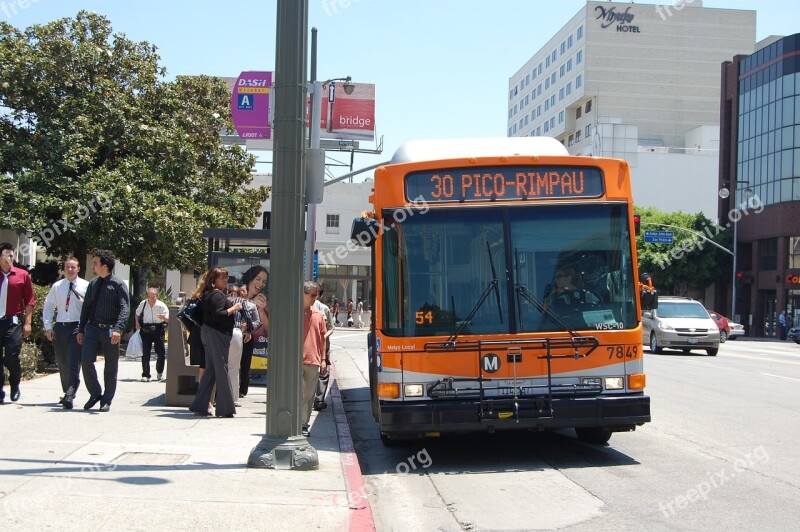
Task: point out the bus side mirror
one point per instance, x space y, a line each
365 231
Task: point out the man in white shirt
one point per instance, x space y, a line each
65 301
152 315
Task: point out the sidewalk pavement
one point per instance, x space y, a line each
146 466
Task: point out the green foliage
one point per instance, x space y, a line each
97 148
45 273
690 262
37 351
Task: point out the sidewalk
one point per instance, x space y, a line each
145 466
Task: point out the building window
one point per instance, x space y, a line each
561 93
589 106
569 65
588 132
580 32
563 48
553 56
794 252
562 71
579 57
569 41
547 61
577 113
569 88
578 136
578 81
571 140
768 254
546 126
561 117
547 83
332 223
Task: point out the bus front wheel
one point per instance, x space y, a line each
596 435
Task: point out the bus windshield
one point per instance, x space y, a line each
558 267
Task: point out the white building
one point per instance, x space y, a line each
639 82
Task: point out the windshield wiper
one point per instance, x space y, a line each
494 283
523 293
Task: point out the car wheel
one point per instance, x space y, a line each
712 352
722 337
596 435
654 347
686 350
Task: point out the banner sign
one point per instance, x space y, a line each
250 101
347 116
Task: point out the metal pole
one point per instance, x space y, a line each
733 286
282 447
314 134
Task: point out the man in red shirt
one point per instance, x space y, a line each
314 333
16 308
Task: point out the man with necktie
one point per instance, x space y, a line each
16 308
103 319
65 300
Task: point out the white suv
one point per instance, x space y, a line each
679 323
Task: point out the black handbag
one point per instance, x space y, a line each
191 314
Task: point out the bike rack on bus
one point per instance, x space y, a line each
522 400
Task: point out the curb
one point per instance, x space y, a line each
361 519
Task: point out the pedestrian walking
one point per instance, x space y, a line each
152 317
60 315
16 309
314 333
104 316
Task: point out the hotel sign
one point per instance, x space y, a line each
611 16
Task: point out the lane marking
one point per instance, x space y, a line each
781 377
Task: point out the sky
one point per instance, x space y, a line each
440 67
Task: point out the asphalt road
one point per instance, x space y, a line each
719 454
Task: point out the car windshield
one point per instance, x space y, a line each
673 309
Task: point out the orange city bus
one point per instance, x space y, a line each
506 292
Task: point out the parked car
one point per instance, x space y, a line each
794 334
736 330
680 323
722 325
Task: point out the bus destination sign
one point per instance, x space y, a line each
505 183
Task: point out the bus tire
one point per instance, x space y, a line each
595 435
654 348
712 352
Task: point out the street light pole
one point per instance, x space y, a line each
724 193
282 447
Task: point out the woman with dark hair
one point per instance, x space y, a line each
255 279
216 333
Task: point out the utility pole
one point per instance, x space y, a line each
282 447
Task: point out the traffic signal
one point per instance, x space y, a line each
739 279
637 222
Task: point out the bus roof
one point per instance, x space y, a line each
427 150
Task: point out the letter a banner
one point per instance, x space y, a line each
250 101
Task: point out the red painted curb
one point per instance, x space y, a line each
361 519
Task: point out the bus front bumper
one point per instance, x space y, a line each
614 413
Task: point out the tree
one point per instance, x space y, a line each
689 262
99 150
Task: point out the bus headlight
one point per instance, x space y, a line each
591 381
413 390
614 383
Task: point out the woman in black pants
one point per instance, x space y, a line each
255 279
216 333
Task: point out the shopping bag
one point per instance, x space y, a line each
134 349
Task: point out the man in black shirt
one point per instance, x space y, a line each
103 319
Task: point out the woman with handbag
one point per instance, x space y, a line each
216 333
255 278
152 317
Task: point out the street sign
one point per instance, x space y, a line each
250 105
658 237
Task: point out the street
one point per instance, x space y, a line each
719 454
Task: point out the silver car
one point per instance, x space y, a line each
679 323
